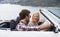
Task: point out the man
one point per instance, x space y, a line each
23 23
24 19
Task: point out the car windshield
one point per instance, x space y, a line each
55 11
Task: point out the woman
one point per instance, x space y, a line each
37 22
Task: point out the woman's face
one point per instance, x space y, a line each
35 17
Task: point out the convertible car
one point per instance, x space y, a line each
9 18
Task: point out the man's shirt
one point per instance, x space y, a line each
24 27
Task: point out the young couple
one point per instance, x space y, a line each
34 25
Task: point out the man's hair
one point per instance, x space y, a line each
24 13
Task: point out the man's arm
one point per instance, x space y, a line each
27 28
45 25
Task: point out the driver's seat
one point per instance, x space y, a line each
14 23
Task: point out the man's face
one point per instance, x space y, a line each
27 18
